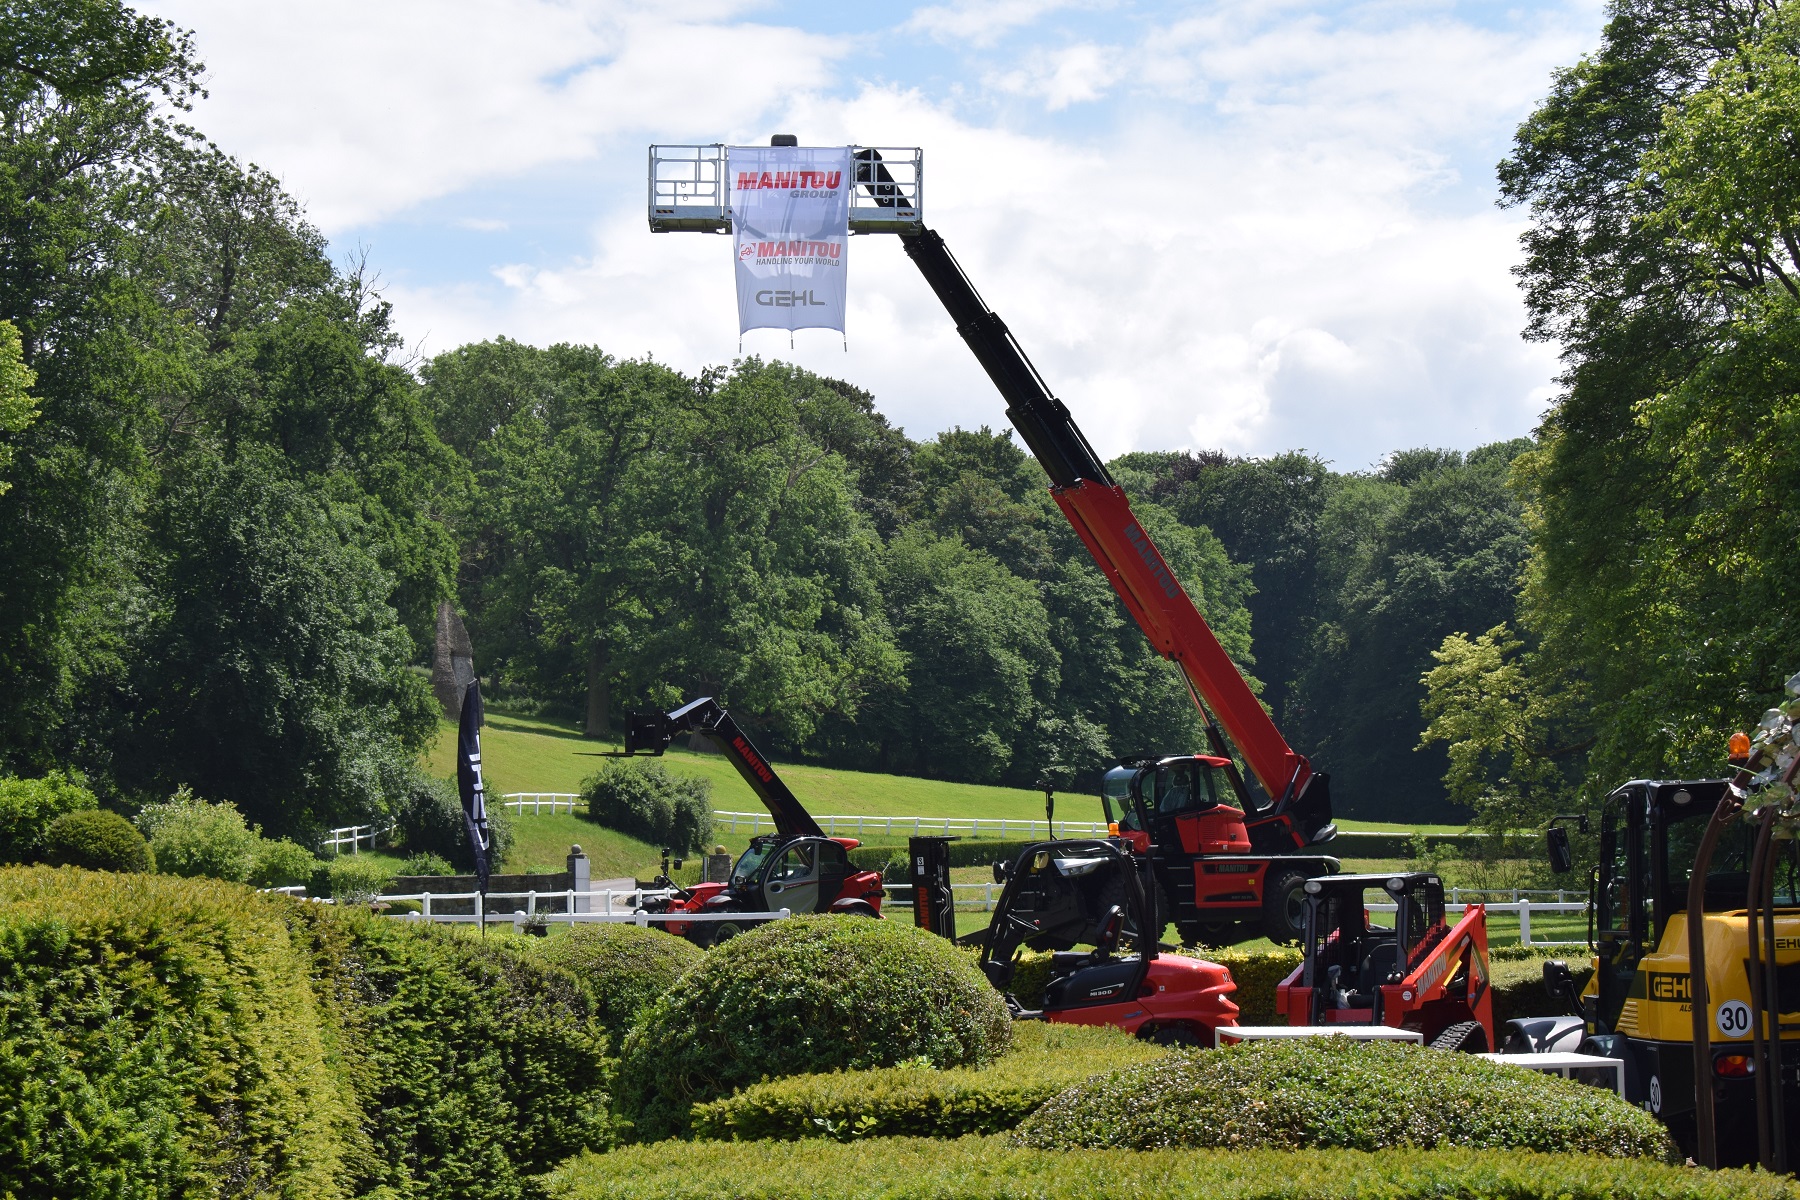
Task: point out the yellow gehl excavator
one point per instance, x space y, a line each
1715 1054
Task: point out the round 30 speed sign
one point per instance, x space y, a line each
1734 1019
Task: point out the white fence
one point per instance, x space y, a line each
1523 908
617 907
353 836
835 825
539 803
863 826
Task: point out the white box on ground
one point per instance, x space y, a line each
1602 1072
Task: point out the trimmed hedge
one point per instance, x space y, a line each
911 1101
804 995
429 820
625 968
27 806
1333 1093
97 840
160 1038
980 1168
473 1065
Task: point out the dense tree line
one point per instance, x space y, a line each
1663 186
229 504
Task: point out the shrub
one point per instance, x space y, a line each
429 819
96 839
908 1101
644 801
187 1037
281 863
624 967
806 994
27 806
426 865
193 838
987 1167
975 852
161 1040
1336 1093
352 879
473 1066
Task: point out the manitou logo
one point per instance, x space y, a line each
797 249
756 764
1147 552
787 299
749 181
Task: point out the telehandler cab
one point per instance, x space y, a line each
797 867
1092 892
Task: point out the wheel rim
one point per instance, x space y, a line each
1293 910
726 931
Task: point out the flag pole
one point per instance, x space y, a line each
473 794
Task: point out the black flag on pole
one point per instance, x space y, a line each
468 781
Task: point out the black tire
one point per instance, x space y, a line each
722 931
1177 1037
1284 906
1464 1037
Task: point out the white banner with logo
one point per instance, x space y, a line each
790 210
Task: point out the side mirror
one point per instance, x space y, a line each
1559 981
1112 927
1001 870
1562 858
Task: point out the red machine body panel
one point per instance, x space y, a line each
1177 993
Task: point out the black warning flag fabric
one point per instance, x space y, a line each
468 782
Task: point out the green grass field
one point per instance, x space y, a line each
523 754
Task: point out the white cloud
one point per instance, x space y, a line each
981 22
1063 77
1264 243
364 110
483 224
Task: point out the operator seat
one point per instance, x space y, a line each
1380 962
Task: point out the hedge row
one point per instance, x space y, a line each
166 1036
1333 1093
922 1102
887 1169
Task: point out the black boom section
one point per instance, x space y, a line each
1041 419
651 733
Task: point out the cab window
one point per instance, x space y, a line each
796 863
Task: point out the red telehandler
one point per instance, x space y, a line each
797 867
1217 866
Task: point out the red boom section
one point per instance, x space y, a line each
1102 516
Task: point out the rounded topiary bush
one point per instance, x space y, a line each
96 839
625 967
27 806
1333 1092
804 995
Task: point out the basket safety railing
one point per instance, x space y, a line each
690 189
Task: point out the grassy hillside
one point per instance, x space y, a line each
523 754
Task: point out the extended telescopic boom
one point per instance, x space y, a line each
1102 516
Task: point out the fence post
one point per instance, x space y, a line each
427 906
531 903
1525 922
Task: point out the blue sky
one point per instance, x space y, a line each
1252 226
